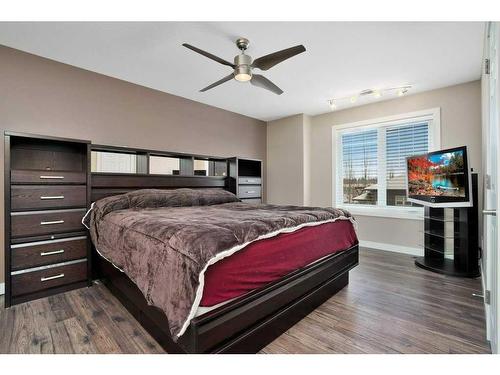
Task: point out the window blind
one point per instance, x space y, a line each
400 142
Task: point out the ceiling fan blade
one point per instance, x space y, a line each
219 82
263 82
209 55
268 61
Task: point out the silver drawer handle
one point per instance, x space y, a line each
250 192
51 177
52 277
51 252
45 197
51 222
490 212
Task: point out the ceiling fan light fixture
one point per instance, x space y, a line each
243 76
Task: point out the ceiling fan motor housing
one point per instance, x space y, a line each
243 69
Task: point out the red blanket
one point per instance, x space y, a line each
267 260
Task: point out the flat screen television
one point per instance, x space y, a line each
439 179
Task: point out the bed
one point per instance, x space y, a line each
206 273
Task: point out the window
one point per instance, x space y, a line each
359 167
400 200
370 168
402 141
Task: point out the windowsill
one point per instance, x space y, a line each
414 213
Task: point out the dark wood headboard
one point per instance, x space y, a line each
108 184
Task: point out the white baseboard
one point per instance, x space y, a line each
417 251
2 288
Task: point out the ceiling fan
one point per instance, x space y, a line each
243 65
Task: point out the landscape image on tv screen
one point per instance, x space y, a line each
437 174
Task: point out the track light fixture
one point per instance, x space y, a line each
368 93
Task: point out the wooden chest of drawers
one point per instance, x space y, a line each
47 249
245 179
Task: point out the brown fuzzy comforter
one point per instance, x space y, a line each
165 239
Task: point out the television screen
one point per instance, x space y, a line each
439 179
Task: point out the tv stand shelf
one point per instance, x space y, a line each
440 233
451 243
442 266
445 220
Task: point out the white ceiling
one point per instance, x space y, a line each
341 58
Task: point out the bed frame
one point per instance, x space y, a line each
244 325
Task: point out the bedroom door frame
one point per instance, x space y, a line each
491 167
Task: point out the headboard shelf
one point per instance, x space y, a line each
124 149
152 175
179 170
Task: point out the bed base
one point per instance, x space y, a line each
246 324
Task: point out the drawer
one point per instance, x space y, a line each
25 224
252 200
34 280
34 197
21 176
249 191
41 253
249 180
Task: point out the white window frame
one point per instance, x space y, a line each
432 115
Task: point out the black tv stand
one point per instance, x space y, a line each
451 242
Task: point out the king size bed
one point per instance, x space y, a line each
204 272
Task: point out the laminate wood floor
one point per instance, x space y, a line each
389 306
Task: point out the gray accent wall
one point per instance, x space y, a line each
42 96
285 149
